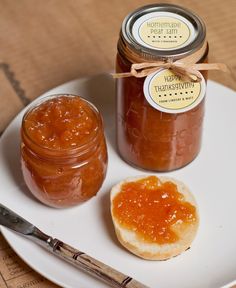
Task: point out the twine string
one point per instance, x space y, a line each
186 71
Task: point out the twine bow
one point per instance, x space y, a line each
186 71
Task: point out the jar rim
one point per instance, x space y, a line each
127 38
81 149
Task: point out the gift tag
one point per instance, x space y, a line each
166 92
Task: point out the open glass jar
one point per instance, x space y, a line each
160 117
63 150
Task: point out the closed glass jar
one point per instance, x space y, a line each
147 137
63 150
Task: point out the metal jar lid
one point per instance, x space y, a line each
128 38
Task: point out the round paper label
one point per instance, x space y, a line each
163 30
166 92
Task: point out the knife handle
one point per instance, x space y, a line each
81 260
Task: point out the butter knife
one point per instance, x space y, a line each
75 257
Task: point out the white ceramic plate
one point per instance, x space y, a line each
211 261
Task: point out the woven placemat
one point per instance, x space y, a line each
47 43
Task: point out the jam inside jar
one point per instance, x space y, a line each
147 137
63 150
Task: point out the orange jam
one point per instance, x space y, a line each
61 123
151 208
147 137
63 151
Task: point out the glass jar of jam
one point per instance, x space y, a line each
63 150
150 136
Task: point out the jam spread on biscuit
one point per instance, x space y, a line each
152 209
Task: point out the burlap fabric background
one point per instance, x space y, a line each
45 43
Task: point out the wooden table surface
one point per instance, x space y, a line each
48 42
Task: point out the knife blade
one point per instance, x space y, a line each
74 256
